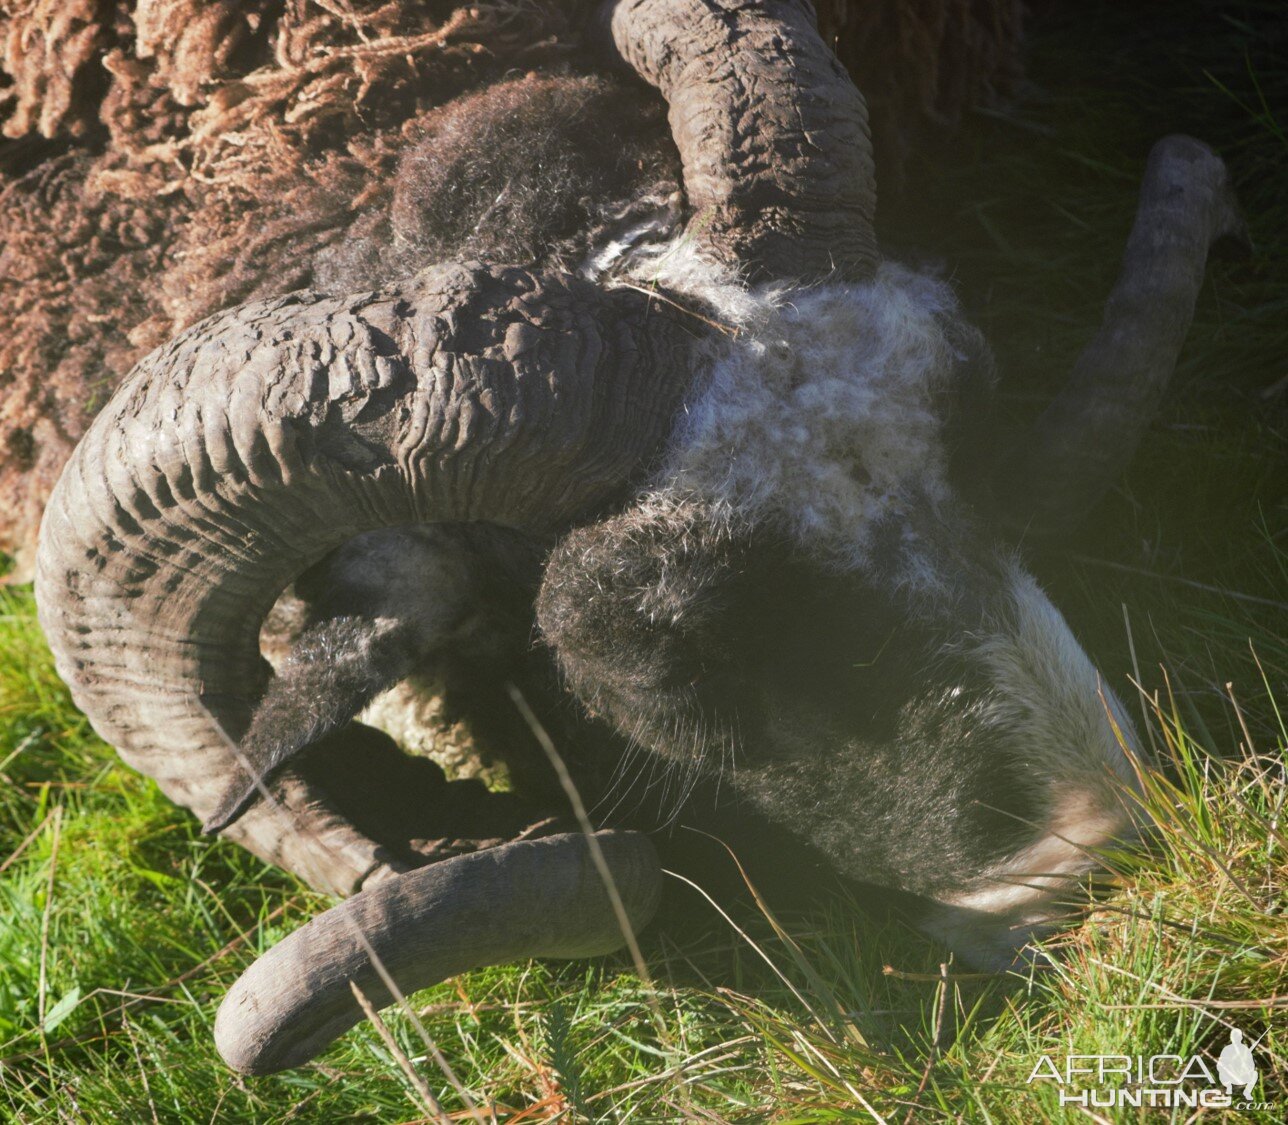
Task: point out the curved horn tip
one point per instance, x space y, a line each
1086 437
258 1055
428 925
1196 162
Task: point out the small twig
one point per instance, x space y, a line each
418 1083
43 984
899 974
26 843
941 1003
727 329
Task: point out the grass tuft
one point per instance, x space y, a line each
122 929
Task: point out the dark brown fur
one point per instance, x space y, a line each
162 164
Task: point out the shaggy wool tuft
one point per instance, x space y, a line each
822 408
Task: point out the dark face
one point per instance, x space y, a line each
867 735
879 720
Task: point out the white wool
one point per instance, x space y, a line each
816 412
1073 743
1049 693
1029 893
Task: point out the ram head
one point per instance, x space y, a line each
729 462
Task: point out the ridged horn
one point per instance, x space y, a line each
773 136
239 454
532 898
1087 436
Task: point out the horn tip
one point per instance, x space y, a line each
1204 165
252 1039
230 809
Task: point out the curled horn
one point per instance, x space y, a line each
255 443
238 455
773 136
1085 439
532 898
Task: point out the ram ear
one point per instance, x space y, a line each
642 611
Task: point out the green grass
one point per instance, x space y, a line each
121 927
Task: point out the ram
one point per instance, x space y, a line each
729 451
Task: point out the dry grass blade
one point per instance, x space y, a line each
1200 1006
122 1010
400 1057
796 992
798 954
569 787
1222 1005
1206 587
143 1071
27 841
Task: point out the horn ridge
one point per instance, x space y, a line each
1085 439
530 898
239 454
772 133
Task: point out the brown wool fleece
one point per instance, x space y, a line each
164 159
